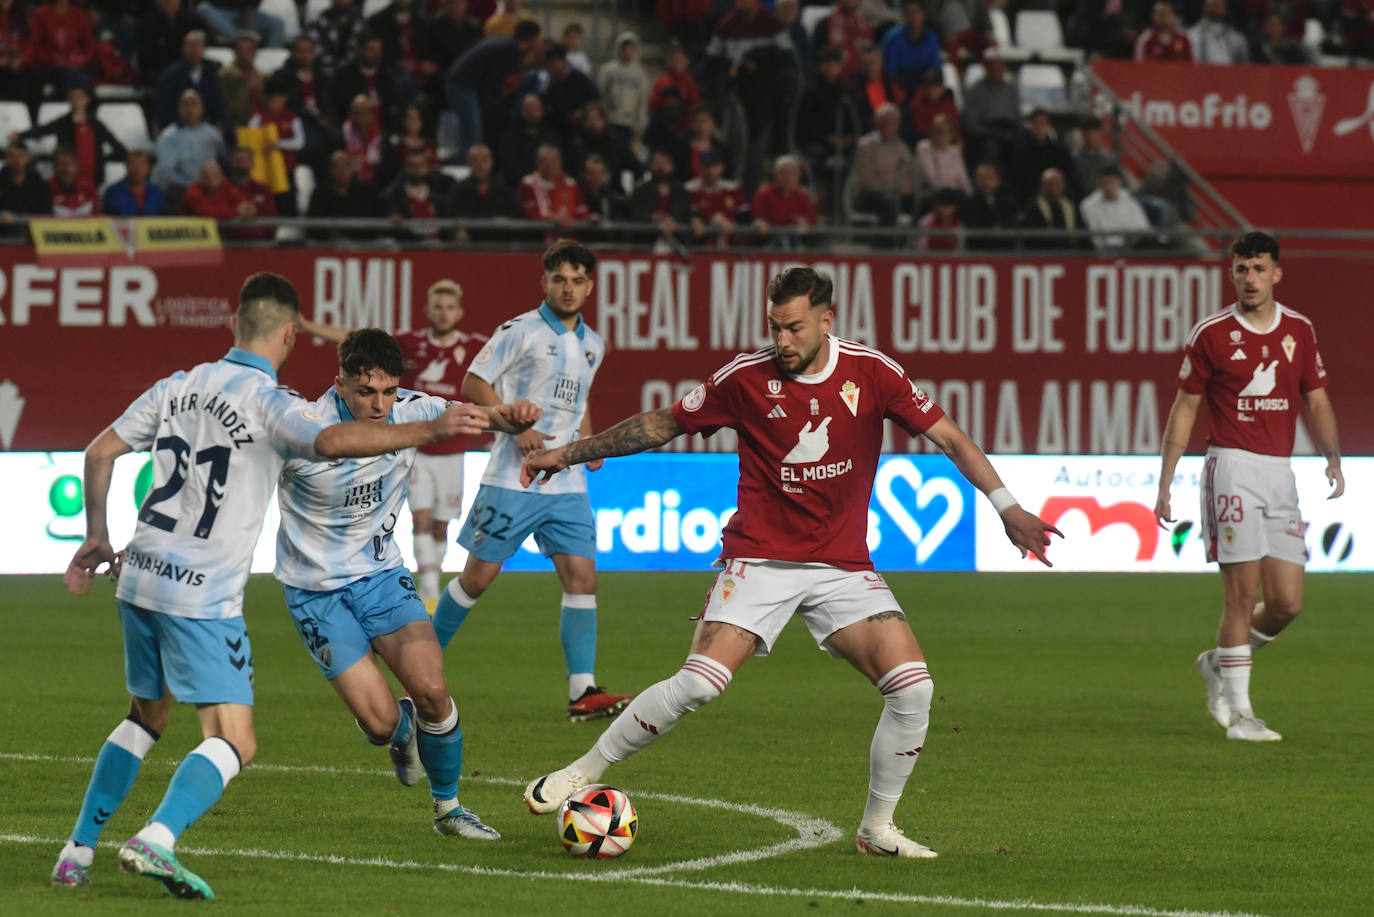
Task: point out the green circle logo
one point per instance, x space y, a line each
64 496
142 483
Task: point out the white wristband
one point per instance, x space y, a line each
1001 500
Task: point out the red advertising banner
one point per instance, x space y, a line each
1281 122
1029 356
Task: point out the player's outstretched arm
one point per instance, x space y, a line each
1322 424
640 432
358 438
514 418
96 549
334 334
1177 429
1025 530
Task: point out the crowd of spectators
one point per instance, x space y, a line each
754 123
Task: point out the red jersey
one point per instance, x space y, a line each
541 199
724 199
808 449
438 369
1152 45
784 209
80 200
1253 380
221 204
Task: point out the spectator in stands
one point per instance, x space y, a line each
482 196
931 101
411 136
1094 156
241 83
240 175
72 194
661 199
336 31
595 139
521 142
606 202
133 195
77 129
420 193
783 201
873 89
343 196
405 46
226 18
966 27
1037 151
909 50
991 206
365 76
23 192
1216 41
751 44
192 72
992 114
704 137
943 219
788 14
508 15
847 30
548 194
60 47
716 201
291 134
827 130
1357 27
451 33
184 146
1165 197
1273 45
476 85
161 33
1051 210
940 160
1163 40
211 196
625 88
1104 28
310 95
565 92
572 39
1112 209
362 135
678 105
14 37
883 169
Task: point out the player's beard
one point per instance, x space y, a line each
803 361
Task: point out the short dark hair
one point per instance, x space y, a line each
1254 244
830 55
525 30
568 251
556 51
801 281
1111 169
370 350
266 302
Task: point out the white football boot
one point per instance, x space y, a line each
1211 677
890 841
547 793
1251 729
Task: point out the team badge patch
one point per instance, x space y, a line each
850 393
774 386
485 355
591 357
1186 369
459 354
1289 346
727 589
693 400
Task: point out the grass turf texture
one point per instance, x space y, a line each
1070 759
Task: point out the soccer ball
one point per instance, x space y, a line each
597 822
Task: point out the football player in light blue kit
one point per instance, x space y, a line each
348 589
548 355
219 434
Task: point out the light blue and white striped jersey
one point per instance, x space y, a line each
219 434
535 356
338 517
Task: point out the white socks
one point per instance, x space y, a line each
1234 662
1259 641
655 711
429 555
907 691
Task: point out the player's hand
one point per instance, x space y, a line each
521 414
1029 533
1335 478
532 441
1162 512
462 419
541 465
594 464
82 570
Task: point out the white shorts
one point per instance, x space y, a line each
762 595
436 484
1250 508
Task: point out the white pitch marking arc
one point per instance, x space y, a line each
811 831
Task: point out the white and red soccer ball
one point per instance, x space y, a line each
597 822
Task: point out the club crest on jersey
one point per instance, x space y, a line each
693 400
591 357
1235 336
727 589
485 355
459 354
1289 346
1186 369
815 407
850 393
774 386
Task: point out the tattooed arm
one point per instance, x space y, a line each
640 432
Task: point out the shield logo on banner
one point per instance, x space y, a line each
1306 103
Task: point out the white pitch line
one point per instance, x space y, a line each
740 888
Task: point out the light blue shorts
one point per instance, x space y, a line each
338 627
501 519
200 660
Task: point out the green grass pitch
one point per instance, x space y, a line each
1070 762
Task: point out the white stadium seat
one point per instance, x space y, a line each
954 83
222 56
285 10
1042 86
313 8
14 118
974 73
1038 30
373 7
305 186
270 60
457 173
811 17
127 122
48 111
1001 33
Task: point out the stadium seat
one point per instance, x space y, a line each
1313 33
222 56
305 186
114 171
114 92
811 17
14 118
954 83
286 11
457 173
1038 32
127 122
313 8
1042 86
270 60
974 73
373 7
48 111
1001 33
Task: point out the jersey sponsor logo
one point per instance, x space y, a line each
849 393
819 472
158 567
693 400
434 372
1321 368
1238 355
363 496
566 390
1289 346
923 400
1262 381
1136 515
777 413
1235 336
1260 404
812 444
774 386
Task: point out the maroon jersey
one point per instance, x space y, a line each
1253 380
438 369
808 449
1174 45
80 200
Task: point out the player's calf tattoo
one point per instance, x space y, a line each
886 615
